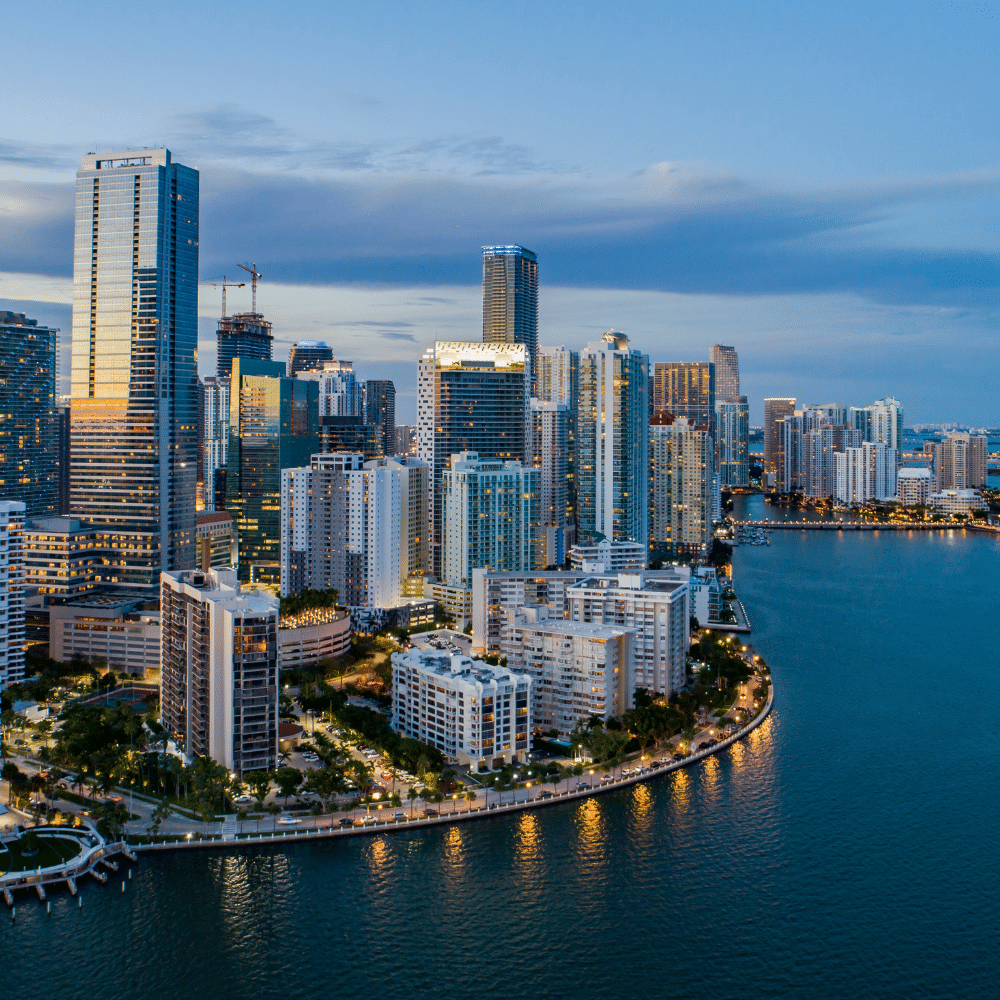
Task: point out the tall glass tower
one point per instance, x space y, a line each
134 388
727 373
510 299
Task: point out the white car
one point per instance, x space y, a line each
288 821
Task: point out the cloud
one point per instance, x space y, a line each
392 335
40 156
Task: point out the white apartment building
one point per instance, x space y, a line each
706 594
656 608
11 592
219 668
551 442
914 486
215 436
577 669
339 392
608 557
558 376
120 632
491 517
956 501
472 712
865 473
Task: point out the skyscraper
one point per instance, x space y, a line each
470 397
775 409
339 392
558 376
273 425
685 389
214 444
380 411
727 373
612 442
11 592
245 335
732 429
550 444
960 461
510 299
887 422
134 414
308 356
29 425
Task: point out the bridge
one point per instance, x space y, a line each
859 526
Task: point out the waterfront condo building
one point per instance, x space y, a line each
308 356
656 609
612 443
492 518
577 669
914 486
245 335
134 386
960 461
29 426
867 472
273 424
727 373
219 668
473 713
11 592
732 428
775 410
681 487
470 397
510 299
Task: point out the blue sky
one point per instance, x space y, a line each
816 186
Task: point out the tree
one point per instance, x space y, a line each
411 795
288 779
260 785
274 809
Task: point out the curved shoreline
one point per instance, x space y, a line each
483 812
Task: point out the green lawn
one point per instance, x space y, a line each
51 851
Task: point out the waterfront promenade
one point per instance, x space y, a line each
805 525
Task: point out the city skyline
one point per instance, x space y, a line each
827 226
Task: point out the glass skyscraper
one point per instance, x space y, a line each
273 424
245 335
308 356
134 389
470 397
29 425
380 411
685 389
612 443
510 299
727 373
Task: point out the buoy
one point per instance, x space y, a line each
130 873
80 898
48 907
123 885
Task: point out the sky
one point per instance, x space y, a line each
816 185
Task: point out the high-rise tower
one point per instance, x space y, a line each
510 299
685 389
727 373
134 413
245 335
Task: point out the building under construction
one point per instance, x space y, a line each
245 335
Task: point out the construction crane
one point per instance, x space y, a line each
254 275
226 284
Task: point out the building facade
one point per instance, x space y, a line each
867 472
380 412
473 713
308 356
775 410
960 461
551 445
470 397
215 541
244 335
727 373
63 557
510 299
340 395
125 635
612 443
732 427
11 592
577 669
134 384
213 446
685 389
29 426
914 486
492 517
219 669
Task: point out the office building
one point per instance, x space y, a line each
134 413
608 557
63 557
732 429
865 473
656 609
577 669
11 592
62 419
960 461
473 713
245 335
273 425
215 542
213 444
681 487
124 634
914 486
29 426
510 299
340 395
550 448
470 397
727 373
685 389
350 434
219 668
308 356
380 412
775 410
612 443
491 517
406 440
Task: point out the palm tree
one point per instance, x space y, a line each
411 795
274 809
470 797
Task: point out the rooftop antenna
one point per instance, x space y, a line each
254 275
227 284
